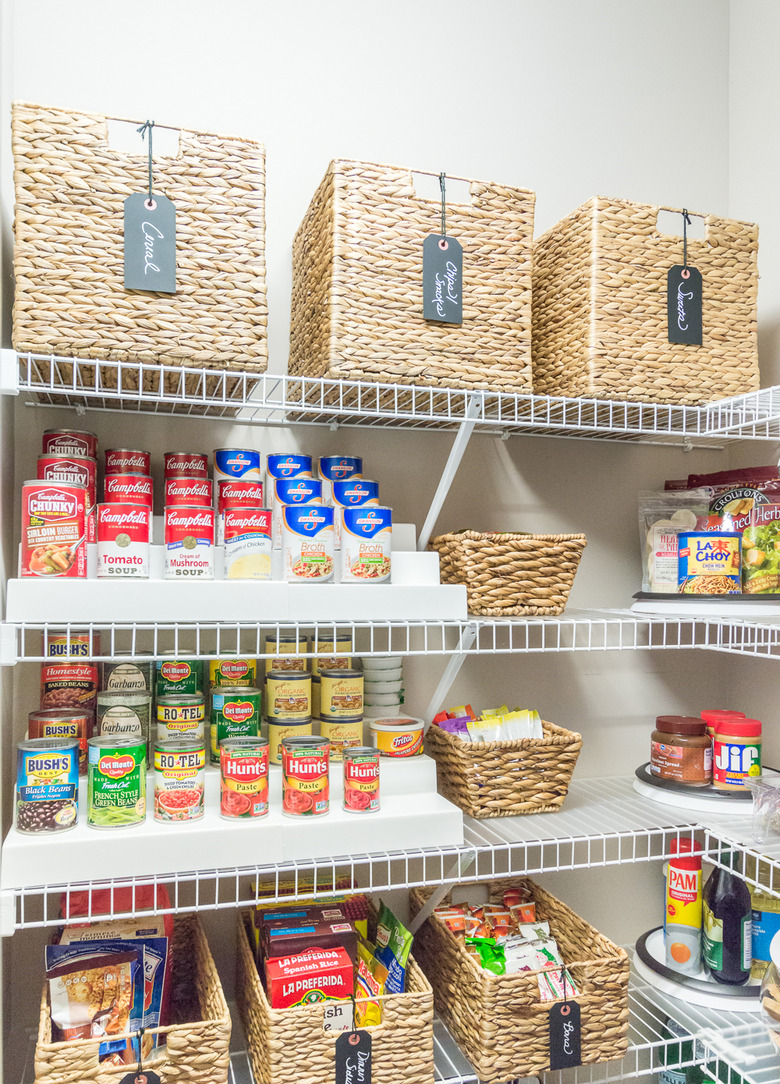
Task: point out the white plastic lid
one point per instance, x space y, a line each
396 724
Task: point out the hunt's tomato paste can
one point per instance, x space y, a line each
186 464
69 442
129 489
128 461
189 543
305 779
243 777
54 520
73 470
123 535
192 490
361 780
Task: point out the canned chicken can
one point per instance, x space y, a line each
127 677
128 461
288 695
124 532
243 777
116 782
62 726
286 491
305 778
281 729
342 734
54 529
709 563
125 715
129 489
73 644
341 693
337 468
307 543
190 491
231 494
69 686
181 715
189 543
235 713
69 442
47 785
333 653
286 648
247 536
179 779
361 780
366 544
244 464
186 464
178 676
73 471
353 493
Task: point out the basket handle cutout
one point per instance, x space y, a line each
669 223
426 187
122 136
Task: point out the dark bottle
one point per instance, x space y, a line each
727 942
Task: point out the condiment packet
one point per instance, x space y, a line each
515 895
551 985
533 931
457 727
484 729
523 913
491 956
503 710
464 711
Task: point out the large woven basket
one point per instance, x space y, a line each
505 778
498 1020
287 1046
68 260
196 1043
357 305
507 575
600 317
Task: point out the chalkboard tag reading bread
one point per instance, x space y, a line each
565 1035
150 237
442 272
353 1057
684 297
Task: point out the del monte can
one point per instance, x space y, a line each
116 782
235 713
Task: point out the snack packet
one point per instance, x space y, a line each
491 955
523 913
370 985
518 894
458 727
662 517
533 931
95 996
556 984
393 945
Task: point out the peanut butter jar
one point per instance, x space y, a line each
681 750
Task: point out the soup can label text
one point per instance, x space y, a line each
353 493
128 461
189 543
287 466
123 536
129 489
337 468
47 785
247 537
307 543
188 464
192 491
243 777
69 442
54 521
73 471
179 779
292 491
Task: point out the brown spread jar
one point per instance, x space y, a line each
681 750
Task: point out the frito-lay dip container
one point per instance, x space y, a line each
681 750
400 736
736 753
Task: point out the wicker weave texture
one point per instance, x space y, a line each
196 1049
505 778
600 316
289 1046
357 310
499 1021
507 575
68 259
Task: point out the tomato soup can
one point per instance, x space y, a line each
341 694
186 464
243 764
129 489
288 695
70 685
54 529
361 780
62 725
136 676
333 652
305 778
281 729
287 649
232 671
286 491
189 543
235 713
307 543
179 779
76 471
178 676
366 544
342 734
337 468
181 715
124 715
128 461
47 785
123 535
244 464
709 563
116 782
236 494
73 644
247 537
188 490
69 442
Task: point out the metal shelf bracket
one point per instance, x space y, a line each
7 913
474 411
9 373
8 656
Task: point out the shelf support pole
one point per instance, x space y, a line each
453 875
451 670
474 409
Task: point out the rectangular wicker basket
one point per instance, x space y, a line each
498 1020
507 575
505 778
287 1046
197 1041
600 316
357 305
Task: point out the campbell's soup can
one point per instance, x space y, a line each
337 468
70 442
128 461
361 780
189 543
232 671
292 491
354 493
366 544
307 543
305 778
123 535
75 471
232 494
243 766
186 465
237 464
189 491
62 724
129 489
248 550
178 676
69 685
76 644
54 529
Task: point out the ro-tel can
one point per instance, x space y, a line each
333 653
189 543
366 544
361 780
709 563
232 671
116 782
47 784
69 442
73 471
305 780
287 695
188 490
286 647
75 644
127 677
342 694
127 461
54 529
186 464
179 779
129 489
182 715
281 729
69 685
247 534
354 493
337 468
179 676
235 713
291 491
126 715
62 725
231 494
307 543
243 777
244 464
124 532
342 734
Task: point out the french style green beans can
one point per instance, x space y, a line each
116 782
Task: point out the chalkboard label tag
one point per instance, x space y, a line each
150 244
683 304
353 1057
146 1076
442 279
565 1035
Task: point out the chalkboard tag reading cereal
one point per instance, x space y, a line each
189 543
305 779
243 777
116 782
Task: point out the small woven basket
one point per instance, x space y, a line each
499 1021
196 1043
508 575
505 778
287 1046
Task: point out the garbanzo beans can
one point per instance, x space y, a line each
179 779
181 716
287 695
341 694
305 777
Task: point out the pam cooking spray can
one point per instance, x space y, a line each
682 926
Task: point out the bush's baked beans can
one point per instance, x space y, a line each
186 464
54 529
305 778
124 715
127 677
47 785
337 468
366 544
291 491
286 648
74 471
129 489
243 766
236 494
189 543
307 543
235 713
62 724
232 671
188 490
69 685
342 694
182 715
354 493
332 653
116 782
237 464
74 644
124 532
69 442
247 538
179 676
179 779
342 734
287 695
128 461
280 729
361 780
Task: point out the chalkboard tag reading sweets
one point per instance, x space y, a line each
353 1057
683 297
442 272
150 237
565 1033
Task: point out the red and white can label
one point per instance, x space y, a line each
69 442
73 470
236 494
53 529
129 489
194 492
189 543
123 535
247 543
128 461
186 464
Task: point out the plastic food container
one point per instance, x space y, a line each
382 662
382 688
397 736
381 700
766 809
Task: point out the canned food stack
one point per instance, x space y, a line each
243 521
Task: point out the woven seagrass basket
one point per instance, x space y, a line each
287 1046
505 778
600 317
70 298
357 304
196 1042
507 575
498 1020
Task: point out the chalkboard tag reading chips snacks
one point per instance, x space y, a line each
150 237
565 1035
442 273
684 298
353 1057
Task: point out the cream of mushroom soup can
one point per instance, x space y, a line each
307 543
189 543
366 544
123 536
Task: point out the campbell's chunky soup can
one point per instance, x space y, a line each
189 543
247 538
62 725
181 715
179 676
74 471
307 543
337 468
235 713
292 491
47 785
69 442
361 780
123 535
128 461
179 779
54 523
188 490
353 493
305 778
129 489
116 782
186 464
236 494
366 544
237 464
243 766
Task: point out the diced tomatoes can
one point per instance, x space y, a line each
189 543
62 724
307 543
232 671
243 777
186 464
337 468
69 442
188 490
179 676
288 695
47 785
287 648
235 713
54 529
116 782
179 779
128 461
342 734
129 489
73 470
294 491
305 777
243 464
123 541
361 780
182 715
247 535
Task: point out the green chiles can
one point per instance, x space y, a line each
179 676
235 713
116 782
